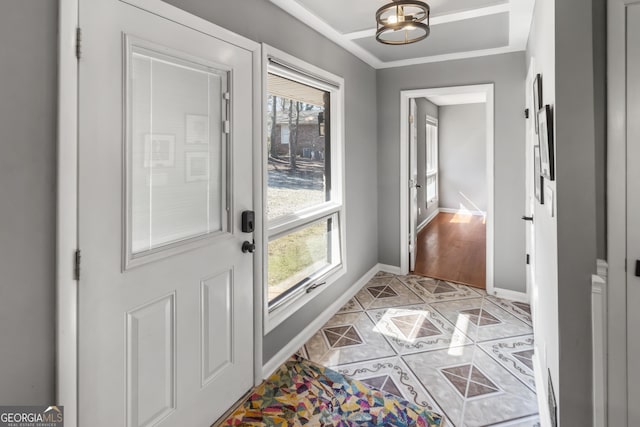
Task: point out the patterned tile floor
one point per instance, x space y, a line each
450 348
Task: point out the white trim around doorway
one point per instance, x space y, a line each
405 95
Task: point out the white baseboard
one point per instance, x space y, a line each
541 390
313 327
430 218
511 295
462 211
599 348
389 269
603 268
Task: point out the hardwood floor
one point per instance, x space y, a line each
452 247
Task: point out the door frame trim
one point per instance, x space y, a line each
617 363
530 186
405 95
67 213
67 195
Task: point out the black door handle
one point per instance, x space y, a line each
248 246
528 218
418 186
638 268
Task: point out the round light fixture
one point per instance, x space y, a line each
402 22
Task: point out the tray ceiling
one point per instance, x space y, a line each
459 28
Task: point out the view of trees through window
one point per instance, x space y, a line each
298 180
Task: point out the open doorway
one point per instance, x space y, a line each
447 183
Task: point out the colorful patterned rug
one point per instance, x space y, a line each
302 393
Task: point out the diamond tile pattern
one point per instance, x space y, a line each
480 317
415 326
525 357
382 292
384 383
522 306
469 381
446 347
342 336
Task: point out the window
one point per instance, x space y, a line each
304 196
431 161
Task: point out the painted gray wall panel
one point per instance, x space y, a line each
576 198
600 106
507 72
28 63
264 22
463 157
424 107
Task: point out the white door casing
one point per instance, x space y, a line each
165 319
623 203
633 207
413 183
405 171
530 200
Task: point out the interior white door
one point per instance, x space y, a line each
633 207
413 184
165 146
531 141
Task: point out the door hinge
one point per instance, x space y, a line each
526 113
411 118
76 266
528 259
226 126
78 42
227 96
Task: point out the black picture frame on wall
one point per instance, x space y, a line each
537 97
545 137
538 180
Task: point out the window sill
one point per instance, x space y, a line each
274 317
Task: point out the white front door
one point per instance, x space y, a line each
633 209
413 184
165 148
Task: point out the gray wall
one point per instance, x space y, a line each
28 59
424 107
257 19
507 72
576 193
563 44
463 156
600 122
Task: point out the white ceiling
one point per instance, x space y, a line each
459 28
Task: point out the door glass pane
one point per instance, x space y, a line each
298 146
302 254
176 178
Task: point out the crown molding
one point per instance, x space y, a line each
520 16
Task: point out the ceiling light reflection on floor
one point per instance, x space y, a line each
457 340
382 327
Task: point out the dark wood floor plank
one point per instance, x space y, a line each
453 247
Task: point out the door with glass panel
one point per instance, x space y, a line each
166 293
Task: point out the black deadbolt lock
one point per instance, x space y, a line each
248 221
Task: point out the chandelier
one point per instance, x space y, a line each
401 22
